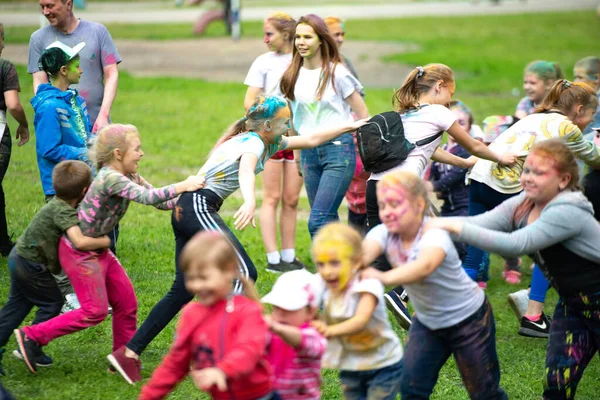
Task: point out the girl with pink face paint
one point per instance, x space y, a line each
453 316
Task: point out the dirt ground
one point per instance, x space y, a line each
221 59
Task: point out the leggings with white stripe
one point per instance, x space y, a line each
195 212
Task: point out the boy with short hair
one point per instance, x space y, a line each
62 124
34 260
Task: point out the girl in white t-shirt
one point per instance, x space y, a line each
263 78
360 339
322 93
453 316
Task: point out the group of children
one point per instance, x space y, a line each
337 317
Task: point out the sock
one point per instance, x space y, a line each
273 257
288 255
533 317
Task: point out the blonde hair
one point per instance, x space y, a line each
419 81
213 248
284 23
564 95
110 138
332 20
408 181
339 232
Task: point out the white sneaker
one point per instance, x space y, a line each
518 302
71 303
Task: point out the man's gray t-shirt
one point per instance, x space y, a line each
99 51
446 297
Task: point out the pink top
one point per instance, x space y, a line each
298 371
356 196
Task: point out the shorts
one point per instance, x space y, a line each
283 155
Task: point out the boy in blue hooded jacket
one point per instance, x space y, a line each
62 124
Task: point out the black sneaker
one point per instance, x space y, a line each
282 266
2 354
298 264
399 310
535 329
30 350
44 361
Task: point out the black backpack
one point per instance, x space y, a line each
382 144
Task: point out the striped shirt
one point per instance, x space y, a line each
298 371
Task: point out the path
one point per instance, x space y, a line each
137 13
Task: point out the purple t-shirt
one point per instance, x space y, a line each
99 52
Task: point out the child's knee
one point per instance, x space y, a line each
95 313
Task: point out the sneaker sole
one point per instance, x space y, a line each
515 307
402 319
19 338
18 356
113 361
533 333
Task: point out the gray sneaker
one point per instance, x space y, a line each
518 302
71 303
282 266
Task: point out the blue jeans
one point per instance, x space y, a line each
482 198
327 171
473 344
375 384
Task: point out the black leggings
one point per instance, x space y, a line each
195 212
5 149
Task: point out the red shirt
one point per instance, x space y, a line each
210 336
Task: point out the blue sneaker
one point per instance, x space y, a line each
398 309
43 361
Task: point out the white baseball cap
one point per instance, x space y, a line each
71 52
293 290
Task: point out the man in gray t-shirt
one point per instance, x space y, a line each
99 57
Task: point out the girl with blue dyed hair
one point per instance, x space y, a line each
239 155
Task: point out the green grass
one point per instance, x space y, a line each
180 119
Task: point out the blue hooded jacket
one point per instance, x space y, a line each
59 137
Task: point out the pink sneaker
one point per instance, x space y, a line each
512 277
129 368
482 285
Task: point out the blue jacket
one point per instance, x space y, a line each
58 135
450 182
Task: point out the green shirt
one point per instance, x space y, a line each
39 243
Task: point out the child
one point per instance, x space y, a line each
98 278
422 101
237 158
453 317
296 348
552 220
361 343
539 76
62 124
565 111
34 258
447 181
587 70
221 336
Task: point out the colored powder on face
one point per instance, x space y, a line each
336 250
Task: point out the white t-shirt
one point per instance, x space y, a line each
420 124
266 72
312 115
221 170
374 347
446 297
519 139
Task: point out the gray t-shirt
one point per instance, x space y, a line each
99 52
446 297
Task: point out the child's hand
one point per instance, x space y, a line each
371 273
446 224
22 135
357 124
269 321
244 216
470 162
320 326
508 159
209 377
193 183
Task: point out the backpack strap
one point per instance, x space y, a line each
428 140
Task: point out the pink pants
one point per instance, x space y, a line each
99 280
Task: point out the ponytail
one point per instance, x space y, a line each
564 95
419 81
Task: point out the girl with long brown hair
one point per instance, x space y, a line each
553 220
322 93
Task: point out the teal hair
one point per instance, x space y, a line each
265 107
545 70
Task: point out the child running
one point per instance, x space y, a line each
554 221
296 348
235 161
221 336
98 278
361 342
453 316
34 259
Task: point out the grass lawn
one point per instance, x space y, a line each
180 119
